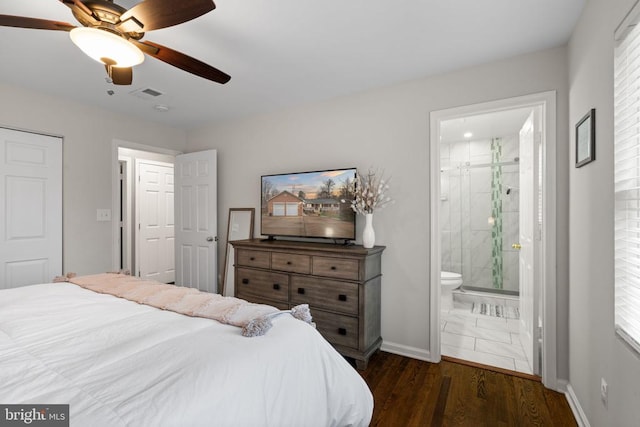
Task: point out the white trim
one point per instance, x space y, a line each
407 351
36 132
127 221
628 23
115 190
547 100
576 408
436 257
549 242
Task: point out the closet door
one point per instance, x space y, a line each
30 208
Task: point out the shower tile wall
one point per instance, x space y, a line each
466 208
511 230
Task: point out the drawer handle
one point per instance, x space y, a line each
301 291
276 286
342 297
252 259
342 331
288 262
333 267
245 281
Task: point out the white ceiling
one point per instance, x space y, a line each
283 53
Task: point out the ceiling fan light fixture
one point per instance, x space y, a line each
100 44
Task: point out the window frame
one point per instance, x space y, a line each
627 179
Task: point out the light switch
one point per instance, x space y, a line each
104 215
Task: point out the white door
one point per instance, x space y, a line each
30 208
196 220
155 254
529 243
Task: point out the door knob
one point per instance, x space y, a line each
209 239
517 246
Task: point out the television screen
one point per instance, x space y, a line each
309 204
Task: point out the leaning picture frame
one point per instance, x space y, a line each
239 227
586 139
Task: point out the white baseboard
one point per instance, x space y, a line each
404 350
581 417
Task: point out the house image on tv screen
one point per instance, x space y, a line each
322 206
285 204
310 206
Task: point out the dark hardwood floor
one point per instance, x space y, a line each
409 392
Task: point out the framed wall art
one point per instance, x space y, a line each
586 139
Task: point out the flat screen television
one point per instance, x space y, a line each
309 204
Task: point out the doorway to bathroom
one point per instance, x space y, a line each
492 197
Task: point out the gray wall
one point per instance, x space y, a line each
389 128
88 133
595 351
386 128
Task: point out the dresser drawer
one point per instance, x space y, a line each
325 293
293 263
280 305
261 284
337 329
340 268
258 259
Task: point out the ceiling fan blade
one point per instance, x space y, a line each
38 24
182 61
156 14
120 75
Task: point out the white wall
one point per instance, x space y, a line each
388 128
595 351
88 134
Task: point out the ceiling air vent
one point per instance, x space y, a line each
146 93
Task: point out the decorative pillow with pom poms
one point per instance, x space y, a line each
261 325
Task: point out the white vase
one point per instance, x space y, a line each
368 235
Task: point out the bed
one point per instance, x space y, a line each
120 363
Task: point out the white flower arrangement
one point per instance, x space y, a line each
369 193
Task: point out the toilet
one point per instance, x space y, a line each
448 282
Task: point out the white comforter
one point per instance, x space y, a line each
118 363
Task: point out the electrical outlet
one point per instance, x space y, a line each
604 392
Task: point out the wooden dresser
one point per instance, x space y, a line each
340 283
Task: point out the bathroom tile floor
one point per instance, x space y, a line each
482 339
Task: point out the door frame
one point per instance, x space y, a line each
116 144
125 252
547 267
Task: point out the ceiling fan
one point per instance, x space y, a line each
112 35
